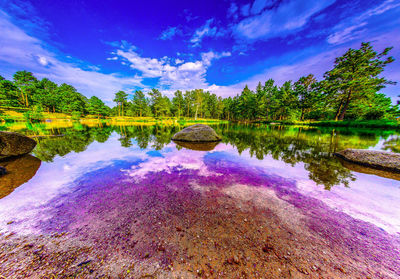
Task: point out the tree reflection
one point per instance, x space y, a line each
293 145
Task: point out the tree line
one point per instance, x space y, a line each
350 90
26 91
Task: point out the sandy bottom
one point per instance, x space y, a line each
235 222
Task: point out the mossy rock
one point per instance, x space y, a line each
197 133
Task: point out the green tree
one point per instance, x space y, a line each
25 81
97 107
306 89
355 76
140 103
46 95
178 103
71 100
121 99
160 104
189 102
8 94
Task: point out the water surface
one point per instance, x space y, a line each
127 202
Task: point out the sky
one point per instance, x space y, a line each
101 47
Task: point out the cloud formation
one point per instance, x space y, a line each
288 17
20 51
205 31
173 73
355 27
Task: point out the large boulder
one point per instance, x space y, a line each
381 160
197 133
14 144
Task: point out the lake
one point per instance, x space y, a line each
268 201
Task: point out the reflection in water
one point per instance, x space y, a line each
293 145
199 146
124 201
19 170
367 170
393 144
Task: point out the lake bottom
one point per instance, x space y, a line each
227 220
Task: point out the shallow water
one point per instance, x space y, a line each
127 202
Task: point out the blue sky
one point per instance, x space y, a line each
101 47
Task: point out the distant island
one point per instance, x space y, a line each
348 94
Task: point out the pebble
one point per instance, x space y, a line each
3 170
267 248
84 262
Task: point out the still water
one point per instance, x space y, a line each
266 202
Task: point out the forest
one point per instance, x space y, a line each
349 91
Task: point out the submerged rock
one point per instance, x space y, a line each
197 133
19 171
14 144
380 160
199 146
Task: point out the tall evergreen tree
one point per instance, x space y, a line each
140 103
121 99
355 76
25 81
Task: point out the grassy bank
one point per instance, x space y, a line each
18 116
376 124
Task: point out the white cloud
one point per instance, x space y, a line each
288 17
385 6
178 61
43 60
350 29
20 51
173 74
205 31
346 34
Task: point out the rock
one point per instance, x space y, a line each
14 144
199 146
19 171
2 171
197 133
380 160
267 248
84 263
